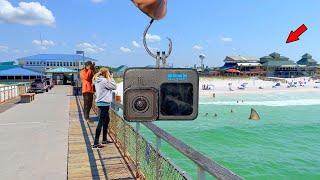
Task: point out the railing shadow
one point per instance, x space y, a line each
92 160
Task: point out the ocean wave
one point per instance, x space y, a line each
300 102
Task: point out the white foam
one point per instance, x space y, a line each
298 102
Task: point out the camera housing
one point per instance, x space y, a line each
160 94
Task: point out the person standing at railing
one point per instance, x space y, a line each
104 85
86 76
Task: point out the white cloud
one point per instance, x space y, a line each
97 1
43 44
153 38
89 48
197 47
27 13
125 50
226 39
4 48
154 49
135 44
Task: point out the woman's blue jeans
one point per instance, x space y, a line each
104 120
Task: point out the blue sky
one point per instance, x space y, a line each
106 29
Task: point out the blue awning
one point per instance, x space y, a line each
228 66
57 57
19 71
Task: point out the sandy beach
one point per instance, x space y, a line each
255 86
233 86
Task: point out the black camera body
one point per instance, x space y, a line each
160 94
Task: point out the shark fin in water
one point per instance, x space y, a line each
254 115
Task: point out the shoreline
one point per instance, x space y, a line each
245 86
209 93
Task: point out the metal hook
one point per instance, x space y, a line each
157 57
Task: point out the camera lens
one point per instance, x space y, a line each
141 104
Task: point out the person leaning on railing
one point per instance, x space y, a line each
104 84
86 75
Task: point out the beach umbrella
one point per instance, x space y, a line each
232 70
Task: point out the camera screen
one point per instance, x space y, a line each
176 99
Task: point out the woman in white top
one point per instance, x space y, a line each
104 85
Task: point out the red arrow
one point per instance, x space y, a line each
294 35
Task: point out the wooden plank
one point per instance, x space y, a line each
86 163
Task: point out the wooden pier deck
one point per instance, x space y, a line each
85 163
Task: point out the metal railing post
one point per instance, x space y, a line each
4 94
124 139
113 104
137 158
158 147
137 127
201 174
8 92
11 90
0 95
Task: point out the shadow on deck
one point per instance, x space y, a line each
86 163
9 104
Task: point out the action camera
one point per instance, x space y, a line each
160 94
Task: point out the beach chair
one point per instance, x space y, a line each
241 88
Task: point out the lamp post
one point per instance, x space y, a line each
82 53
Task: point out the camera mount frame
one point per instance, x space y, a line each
159 56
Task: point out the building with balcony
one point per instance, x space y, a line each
280 66
308 66
242 66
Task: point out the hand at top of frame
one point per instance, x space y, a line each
155 9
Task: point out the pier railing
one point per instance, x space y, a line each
147 159
9 92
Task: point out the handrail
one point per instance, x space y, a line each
11 91
204 163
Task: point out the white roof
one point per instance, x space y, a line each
248 64
289 65
242 58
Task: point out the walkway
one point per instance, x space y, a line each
34 137
48 139
9 104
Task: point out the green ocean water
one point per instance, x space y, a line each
284 144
